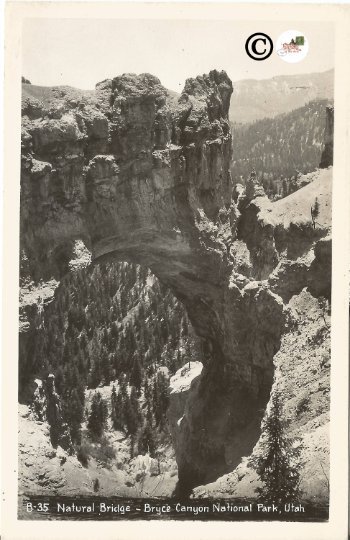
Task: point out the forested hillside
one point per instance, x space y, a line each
280 148
113 323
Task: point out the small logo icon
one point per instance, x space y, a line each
259 46
292 46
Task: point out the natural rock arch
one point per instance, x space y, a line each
142 175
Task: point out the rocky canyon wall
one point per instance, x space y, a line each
140 175
327 154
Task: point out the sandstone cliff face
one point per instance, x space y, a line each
139 175
302 372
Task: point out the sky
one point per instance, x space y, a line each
82 52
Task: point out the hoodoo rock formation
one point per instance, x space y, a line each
140 175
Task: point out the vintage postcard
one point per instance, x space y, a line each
175 324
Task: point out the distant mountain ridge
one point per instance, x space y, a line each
257 99
289 143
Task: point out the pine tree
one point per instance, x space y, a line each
284 188
117 410
146 442
98 416
315 211
132 413
113 405
279 466
105 366
96 485
95 377
59 380
136 373
250 186
188 353
74 414
132 445
160 398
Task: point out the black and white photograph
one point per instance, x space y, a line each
175 283
175 294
